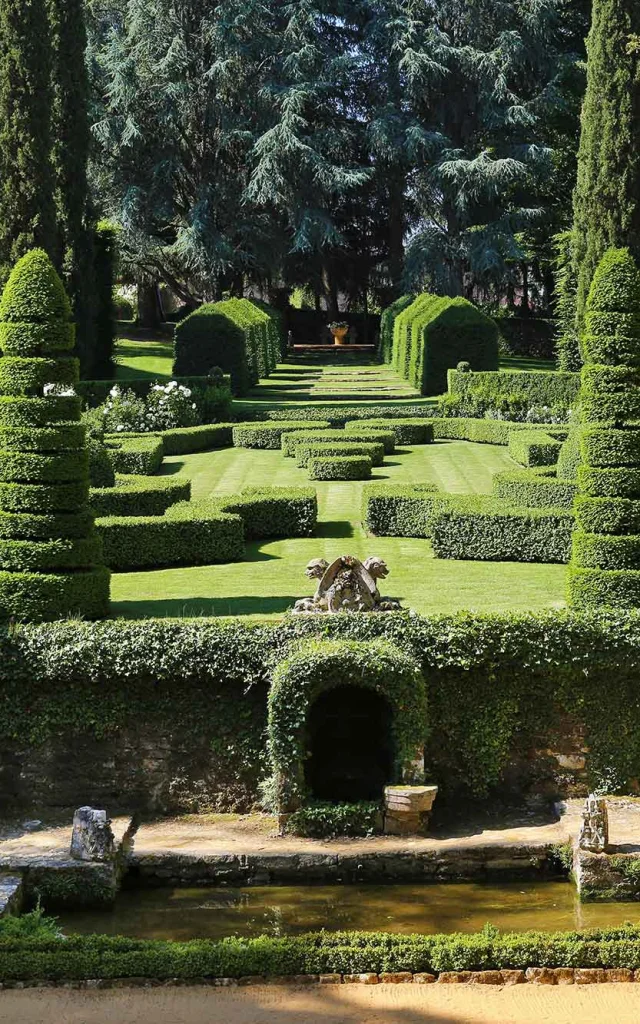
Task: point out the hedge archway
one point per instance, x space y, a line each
321 665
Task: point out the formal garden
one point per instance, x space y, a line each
319 495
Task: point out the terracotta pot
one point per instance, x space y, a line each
339 335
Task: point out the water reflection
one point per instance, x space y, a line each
287 910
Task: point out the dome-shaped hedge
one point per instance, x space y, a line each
50 555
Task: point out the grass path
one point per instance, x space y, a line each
272 577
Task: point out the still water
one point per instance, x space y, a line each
283 910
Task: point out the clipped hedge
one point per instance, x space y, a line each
306 451
77 957
610 447
186 440
399 510
485 431
23 412
271 512
291 440
21 376
339 415
45 439
190 533
406 431
434 334
140 496
546 388
140 455
615 516
534 488
387 325
534 448
337 467
267 435
36 596
482 528
236 335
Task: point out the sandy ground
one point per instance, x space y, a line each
382 1004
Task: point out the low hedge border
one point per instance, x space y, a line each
266 435
274 512
135 453
35 597
95 392
290 440
482 528
340 415
533 448
306 451
140 496
533 956
339 467
188 440
399 510
486 431
406 431
534 488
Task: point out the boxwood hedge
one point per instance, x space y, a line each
140 496
337 467
485 431
306 451
266 435
534 488
533 448
407 431
138 454
399 510
339 415
485 529
290 440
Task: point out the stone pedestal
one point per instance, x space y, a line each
407 809
92 837
594 830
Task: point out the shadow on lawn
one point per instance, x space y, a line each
196 607
334 528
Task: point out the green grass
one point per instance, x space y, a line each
143 359
272 577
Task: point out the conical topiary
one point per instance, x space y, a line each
605 563
50 555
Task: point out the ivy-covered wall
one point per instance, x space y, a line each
170 715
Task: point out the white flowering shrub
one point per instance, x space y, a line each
58 391
170 405
123 412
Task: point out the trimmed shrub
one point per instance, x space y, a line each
61 553
38 412
406 431
399 510
44 439
274 511
266 435
570 458
534 488
138 454
338 467
589 588
339 415
35 596
484 529
322 449
433 334
612 319
23 526
235 335
595 482
534 448
327 821
607 515
610 447
484 391
598 551
101 471
190 533
387 325
186 440
21 376
290 441
140 496
486 431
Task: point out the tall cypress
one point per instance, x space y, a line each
69 157
607 194
27 208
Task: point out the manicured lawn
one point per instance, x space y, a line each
150 359
272 578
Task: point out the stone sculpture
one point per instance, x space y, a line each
594 831
347 585
92 837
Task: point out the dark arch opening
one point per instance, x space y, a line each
350 745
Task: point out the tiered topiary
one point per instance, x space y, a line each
50 556
605 565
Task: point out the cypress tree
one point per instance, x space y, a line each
27 209
69 157
607 194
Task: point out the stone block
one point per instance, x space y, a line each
330 979
361 979
564 975
589 975
486 978
540 976
618 974
92 837
423 978
513 977
453 977
396 978
407 809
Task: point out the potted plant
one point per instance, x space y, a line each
339 329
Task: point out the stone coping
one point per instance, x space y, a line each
503 978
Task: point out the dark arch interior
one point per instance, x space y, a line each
349 743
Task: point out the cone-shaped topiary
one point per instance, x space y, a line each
50 555
605 563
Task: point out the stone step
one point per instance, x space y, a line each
11 893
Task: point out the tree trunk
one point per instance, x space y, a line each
525 308
396 232
148 306
330 291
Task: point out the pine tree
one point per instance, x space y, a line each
27 209
70 155
607 195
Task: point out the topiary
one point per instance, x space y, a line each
50 556
605 563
